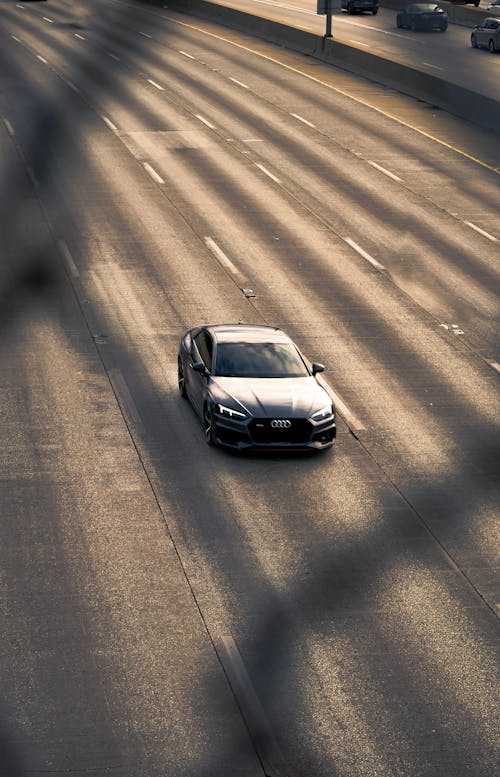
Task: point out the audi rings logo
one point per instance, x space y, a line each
281 423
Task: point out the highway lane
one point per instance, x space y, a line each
448 55
336 577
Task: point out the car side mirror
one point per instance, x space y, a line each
200 367
316 367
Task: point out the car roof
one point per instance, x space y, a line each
255 333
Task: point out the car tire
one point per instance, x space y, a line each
374 11
398 23
208 426
491 46
444 27
476 3
181 381
413 25
473 41
350 9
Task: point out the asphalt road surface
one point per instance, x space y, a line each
171 610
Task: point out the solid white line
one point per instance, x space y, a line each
205 121
152 172
144 34
240 83
109 123
266 172
384 171
304 121
496 366
364 254
481 231
249 704
346 414
429 64
9 127
33 177
158 86
185 54
77 35
127 404
68 259
42 59
220 255
46 18
113 56
358 42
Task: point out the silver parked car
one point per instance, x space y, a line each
494 8
486 35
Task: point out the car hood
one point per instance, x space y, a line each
271 397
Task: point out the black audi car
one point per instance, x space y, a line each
252 388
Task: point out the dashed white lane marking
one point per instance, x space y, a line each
496 366
267 172
429 64
304 121
110 124
71 85
152 172
46 19
364 254
204 121
481 231
185 54
20 6
9 127
220 255
113 56
240 83
358 42
80 37
157 86
68 259
145 34
18 40
384 171
42 59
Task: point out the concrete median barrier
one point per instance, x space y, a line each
473 106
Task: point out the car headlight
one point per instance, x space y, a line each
229 412
325 412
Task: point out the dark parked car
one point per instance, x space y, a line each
357 6
486 35
423 16
252 388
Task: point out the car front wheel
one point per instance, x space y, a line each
473 41
181 381
208 426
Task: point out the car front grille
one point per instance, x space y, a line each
262 432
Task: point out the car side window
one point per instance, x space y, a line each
205 347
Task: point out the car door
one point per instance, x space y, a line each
202 352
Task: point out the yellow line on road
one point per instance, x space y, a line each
343 93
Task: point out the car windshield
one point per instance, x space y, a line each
259 360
